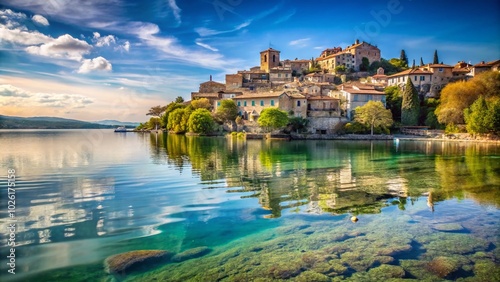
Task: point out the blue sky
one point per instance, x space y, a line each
117 58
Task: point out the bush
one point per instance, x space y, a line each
241 135
354 128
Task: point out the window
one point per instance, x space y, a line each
265 58
244 103
218 103
253 103
272 102
274 58
262 102
422 78
298 103
239 103
415 78
279 74
440 69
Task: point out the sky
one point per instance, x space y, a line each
114 59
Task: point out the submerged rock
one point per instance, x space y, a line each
447 227
126 262
442 266
191 254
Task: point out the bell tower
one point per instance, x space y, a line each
269 59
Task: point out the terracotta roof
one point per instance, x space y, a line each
270 49
439 66
488 64
410 72
206 95
380 76
321 98
364 91
464 70
259 95
212 82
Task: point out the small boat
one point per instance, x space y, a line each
121 129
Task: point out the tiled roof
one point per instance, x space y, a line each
259 95
321 98
439 66
410 72
364 91
206 95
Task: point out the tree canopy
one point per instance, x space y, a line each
373 114
200 121
156 110
403 57
169 109
201 103
273 118
227 111
178 120
394 101
457 96
410 105
179 100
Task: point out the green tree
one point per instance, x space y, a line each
178 120
227 111
154 123
179 100
201 103
201 121
403 57
410 106
298 123
394 101
494 109
170 108
436 59
340 69
365 64
457 96
272 118
421 62
427 111
478 118
373 114
156 110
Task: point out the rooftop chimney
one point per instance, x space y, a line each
357 41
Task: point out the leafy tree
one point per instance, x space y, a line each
298 123
156 110
227 111
457 96
365 64
403 57
178 120
494 108
340 69
373 114
201 121
394 101
201 103
436 59
179 100
272 118
427 115
410 106
154 123
170 108
477 118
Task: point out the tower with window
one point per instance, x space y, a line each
269 59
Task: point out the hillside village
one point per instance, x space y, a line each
327 89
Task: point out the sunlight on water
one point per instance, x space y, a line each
259 209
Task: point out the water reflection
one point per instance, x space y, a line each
338 176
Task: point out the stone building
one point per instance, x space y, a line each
297 66
323 106
421 79
269 59
350 57
441 76
250 105
357 95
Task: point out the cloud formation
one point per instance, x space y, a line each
15 96
104 41
99 63
299 42
39 19
64 47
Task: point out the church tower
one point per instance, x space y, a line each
269 59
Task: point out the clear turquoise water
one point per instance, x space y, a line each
267 210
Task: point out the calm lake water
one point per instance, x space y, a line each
262 210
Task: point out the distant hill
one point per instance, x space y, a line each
10 122
117 123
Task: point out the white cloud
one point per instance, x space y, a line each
12 30
11 19
199 43
126 46
203 31
105 40
98 63
64 47
41 20
175 10
96 35
20 97
299 42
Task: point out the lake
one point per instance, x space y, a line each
227 209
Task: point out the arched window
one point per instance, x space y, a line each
265 58
274 58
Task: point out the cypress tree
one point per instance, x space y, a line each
421 62
436 60
410 107
413 65
403 57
